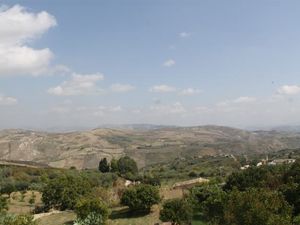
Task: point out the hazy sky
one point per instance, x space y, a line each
75 63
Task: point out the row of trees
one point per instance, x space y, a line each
124 166
10 219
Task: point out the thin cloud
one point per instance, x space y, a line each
289 90
121 87
184 34
190 92
162 88
169 63
239 100
6 100
78 85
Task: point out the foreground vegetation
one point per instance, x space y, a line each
266 195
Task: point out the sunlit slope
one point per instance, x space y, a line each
84 149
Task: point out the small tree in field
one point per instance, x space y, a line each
91 211
64 191
141 197
7 188
114 165
127 165
103 166
3 204
177 211
22 197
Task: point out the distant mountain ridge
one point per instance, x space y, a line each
146 144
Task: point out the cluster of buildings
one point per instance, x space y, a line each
270 163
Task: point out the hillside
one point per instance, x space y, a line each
84 149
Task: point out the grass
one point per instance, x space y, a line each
63 218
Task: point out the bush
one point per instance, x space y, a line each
91 219
141 197
177 211
88 206
193 174
154 181
7 188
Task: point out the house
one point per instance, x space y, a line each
281 161
245 167
131 183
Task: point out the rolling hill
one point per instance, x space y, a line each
84 149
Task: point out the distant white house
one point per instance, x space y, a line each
281 161
245 167
131 183
259 164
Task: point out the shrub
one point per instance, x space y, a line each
193 174
91 219
7 188
177 211
87 206
141 197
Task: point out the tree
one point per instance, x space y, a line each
256 206
64 191
91 211
291 192
32 198
3 204
114 165
22 196
209 200
255 177
141 197
127 165
291 188
103 166
177 211
7 188
86 206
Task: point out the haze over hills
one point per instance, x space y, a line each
84 149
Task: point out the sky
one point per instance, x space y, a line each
81 64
